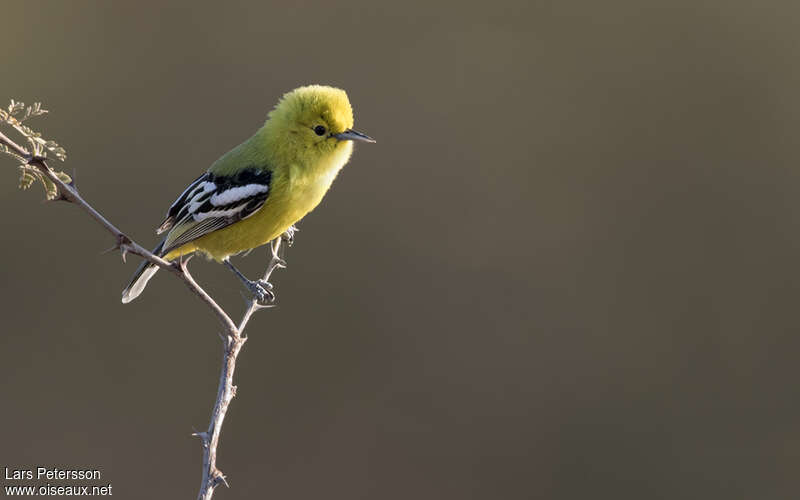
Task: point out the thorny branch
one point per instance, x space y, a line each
232 344
232 334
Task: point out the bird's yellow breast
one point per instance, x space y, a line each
294 191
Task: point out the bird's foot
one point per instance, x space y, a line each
288 235
261 290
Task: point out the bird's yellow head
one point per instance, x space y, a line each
313 120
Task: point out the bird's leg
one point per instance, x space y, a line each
261 289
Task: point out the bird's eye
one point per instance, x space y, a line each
319 130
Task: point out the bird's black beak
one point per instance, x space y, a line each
352 135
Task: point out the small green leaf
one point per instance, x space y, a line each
26 178
37 109
15 107
39 146
50 189
5 149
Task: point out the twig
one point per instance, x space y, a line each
212 476
123 243
275 262
232 337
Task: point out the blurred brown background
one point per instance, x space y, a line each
567 269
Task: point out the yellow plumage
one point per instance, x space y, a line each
256 191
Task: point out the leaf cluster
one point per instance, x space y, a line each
15 116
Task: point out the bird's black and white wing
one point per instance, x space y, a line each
212 202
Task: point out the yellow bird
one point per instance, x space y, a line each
259 189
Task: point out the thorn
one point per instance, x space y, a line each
274 250
219 477
233 391
123 244
109 250
203 435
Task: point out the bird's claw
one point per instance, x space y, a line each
288 235
262 291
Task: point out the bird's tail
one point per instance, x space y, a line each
140 278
